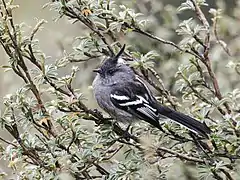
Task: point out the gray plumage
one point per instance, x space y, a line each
122 94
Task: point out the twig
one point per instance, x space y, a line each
113 153
227 174
164 41
32 58
73 139
216 175
83 60
101 169
20 59
71 13
168 95
224 46
200 14
206 61
8 142
181 156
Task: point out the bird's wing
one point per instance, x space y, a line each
135 98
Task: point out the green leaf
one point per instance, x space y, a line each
6 68
186 6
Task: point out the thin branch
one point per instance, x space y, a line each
164 41
8 142
227 174
71 13
206 61
179 155
20 59
216 175
168 95
219 41
83 60
101 169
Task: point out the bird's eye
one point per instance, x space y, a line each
111 71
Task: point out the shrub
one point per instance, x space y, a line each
48 115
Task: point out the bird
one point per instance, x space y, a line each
126 97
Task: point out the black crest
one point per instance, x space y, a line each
112 61
115 58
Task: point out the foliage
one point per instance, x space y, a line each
46 115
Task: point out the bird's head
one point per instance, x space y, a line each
112 65
114 70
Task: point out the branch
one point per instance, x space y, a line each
206 61
227 174
138 30
8 142
72 14
179 155
219 41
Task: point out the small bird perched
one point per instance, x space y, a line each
125 96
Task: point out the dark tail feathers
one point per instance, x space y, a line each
187 121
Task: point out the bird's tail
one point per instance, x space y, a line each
187 121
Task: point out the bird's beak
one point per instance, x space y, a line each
97 70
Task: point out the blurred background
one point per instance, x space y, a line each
58 36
